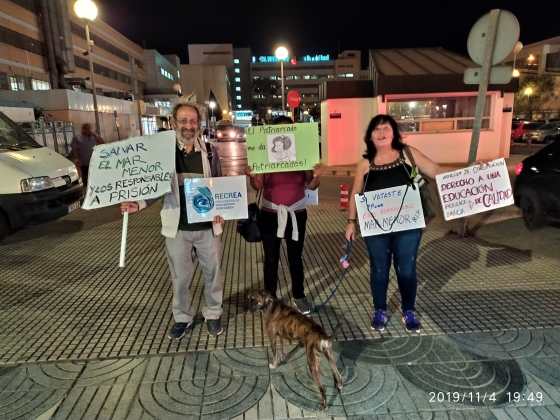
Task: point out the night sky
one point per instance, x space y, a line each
312 27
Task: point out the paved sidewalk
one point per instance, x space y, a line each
81 338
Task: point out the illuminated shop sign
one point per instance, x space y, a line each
265 59
316 57
243 115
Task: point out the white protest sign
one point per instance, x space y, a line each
475 189
312 197
135 169
209 197
395 209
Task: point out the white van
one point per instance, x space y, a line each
36 183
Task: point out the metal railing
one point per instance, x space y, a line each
56 135
431 125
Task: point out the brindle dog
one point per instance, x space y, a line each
282 322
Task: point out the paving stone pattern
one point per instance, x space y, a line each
81 338
64 297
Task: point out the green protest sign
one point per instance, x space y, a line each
282 148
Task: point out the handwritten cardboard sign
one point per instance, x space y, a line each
475 189
209 197
282 148
135 169
395 209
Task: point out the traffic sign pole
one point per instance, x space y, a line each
491 39
483 86
294 99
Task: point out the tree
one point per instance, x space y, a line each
535 91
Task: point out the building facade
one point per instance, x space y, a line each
43 46
539 80
211 74
205 83
423 89
163 85
242 79
304 74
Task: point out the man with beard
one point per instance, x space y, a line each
192 161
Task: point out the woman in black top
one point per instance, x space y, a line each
385 166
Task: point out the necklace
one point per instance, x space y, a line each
397 162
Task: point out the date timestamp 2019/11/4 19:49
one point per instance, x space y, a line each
482 397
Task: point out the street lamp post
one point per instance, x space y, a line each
516 49
528 92
87 10
281 54
212 105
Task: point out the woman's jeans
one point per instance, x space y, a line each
402 247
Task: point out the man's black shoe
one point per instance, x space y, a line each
179 330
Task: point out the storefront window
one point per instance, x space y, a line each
149 125
16 83
40 85
437 114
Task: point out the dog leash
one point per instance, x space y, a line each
345 263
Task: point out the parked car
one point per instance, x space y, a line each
517 130
543 133
537 187
37 185
226 131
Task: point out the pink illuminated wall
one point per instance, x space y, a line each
344 121
343 124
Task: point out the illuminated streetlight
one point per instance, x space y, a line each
281 54
212 105
516 49
87 10
528 92
177 89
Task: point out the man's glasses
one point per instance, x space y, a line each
187 121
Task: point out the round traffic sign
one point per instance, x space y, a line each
294 98
507 34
